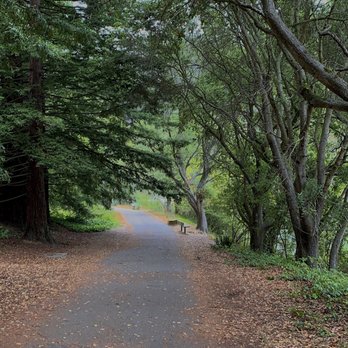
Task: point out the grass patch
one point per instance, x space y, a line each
319 283
147 202
101 219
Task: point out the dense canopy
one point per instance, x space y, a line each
238 108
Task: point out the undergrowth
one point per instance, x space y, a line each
99 220
4 233
318 283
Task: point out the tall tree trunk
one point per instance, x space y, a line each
256 239
47 197
197 205
37 203
257 229
37 219
306 233
202 222
337 242
168 205
336 245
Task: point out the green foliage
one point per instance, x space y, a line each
99 99
150 202
184 219
310 320
308 197
4 233
183 209
250 258
343 265
223 241
99 219
318 283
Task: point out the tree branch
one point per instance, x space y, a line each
317 102
334 83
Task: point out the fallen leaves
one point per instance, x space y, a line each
248 307
32 284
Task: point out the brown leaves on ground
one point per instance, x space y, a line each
236 306
32 283
248 307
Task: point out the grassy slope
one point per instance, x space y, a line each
101 220
146 202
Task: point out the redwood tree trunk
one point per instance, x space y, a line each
36 221
37 201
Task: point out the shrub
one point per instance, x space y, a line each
4 233
99 220
223 241
319 282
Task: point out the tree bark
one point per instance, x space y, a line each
321 73
257 229
37 201
13 193
306 236
337 242
336 245
37 219
202 223
197 204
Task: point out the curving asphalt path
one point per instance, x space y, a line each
143 299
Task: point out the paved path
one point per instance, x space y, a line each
142 298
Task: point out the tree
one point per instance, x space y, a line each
71 124
299 186
194 160
212 91
36 227
283 121
299 52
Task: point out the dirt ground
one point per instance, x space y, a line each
36 278
237 306
248 307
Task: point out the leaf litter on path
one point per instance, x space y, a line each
35 278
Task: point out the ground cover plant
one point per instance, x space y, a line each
99 219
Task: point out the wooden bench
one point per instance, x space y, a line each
172 222
183 226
